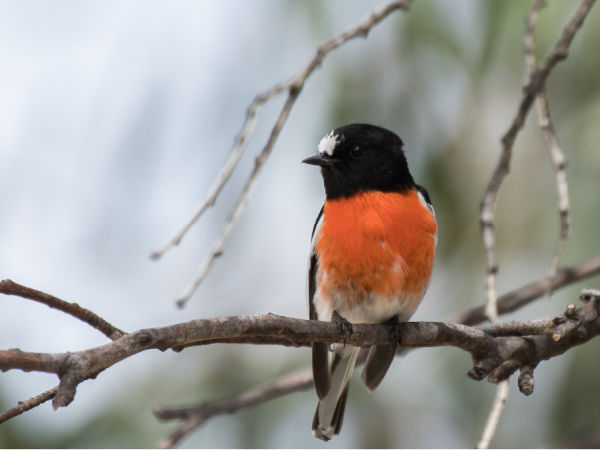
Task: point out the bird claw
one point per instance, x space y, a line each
344 327
395 332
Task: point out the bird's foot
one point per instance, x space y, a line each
344 327
395 329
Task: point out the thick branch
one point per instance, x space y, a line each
44 362
494 357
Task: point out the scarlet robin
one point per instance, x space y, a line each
373 245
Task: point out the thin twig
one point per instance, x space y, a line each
560 176
184 430
494 418
195 416
513 300
28 404
533 89
297 382
9 287
500 400
226 171
223 239
557 155
530 91
294 87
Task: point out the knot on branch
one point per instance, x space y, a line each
588 295
144 338
526 380
73 370
504 353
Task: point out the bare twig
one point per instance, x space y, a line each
556 153
223 239
28 404
494 418
294 87
226 171
511 301
530 91
195 416
9 287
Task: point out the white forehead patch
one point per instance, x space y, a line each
328 143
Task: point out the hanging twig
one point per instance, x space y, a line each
557 155
294 87
496 412
226 171
531 89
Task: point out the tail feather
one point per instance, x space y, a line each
320 367
330 410
338 415
378 362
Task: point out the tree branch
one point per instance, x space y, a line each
28 404
293 88
507 303
495 357
9 287
531 89
524 295
195 416
557 155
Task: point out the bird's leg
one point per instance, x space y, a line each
395 331
344 327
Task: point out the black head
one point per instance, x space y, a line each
362 157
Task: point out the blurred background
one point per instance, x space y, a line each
115 117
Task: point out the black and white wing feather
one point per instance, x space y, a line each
320 354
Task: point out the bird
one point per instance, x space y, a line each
372 251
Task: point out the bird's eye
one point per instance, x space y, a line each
357 152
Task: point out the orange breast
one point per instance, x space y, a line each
376 243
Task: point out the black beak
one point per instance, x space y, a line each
321 160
